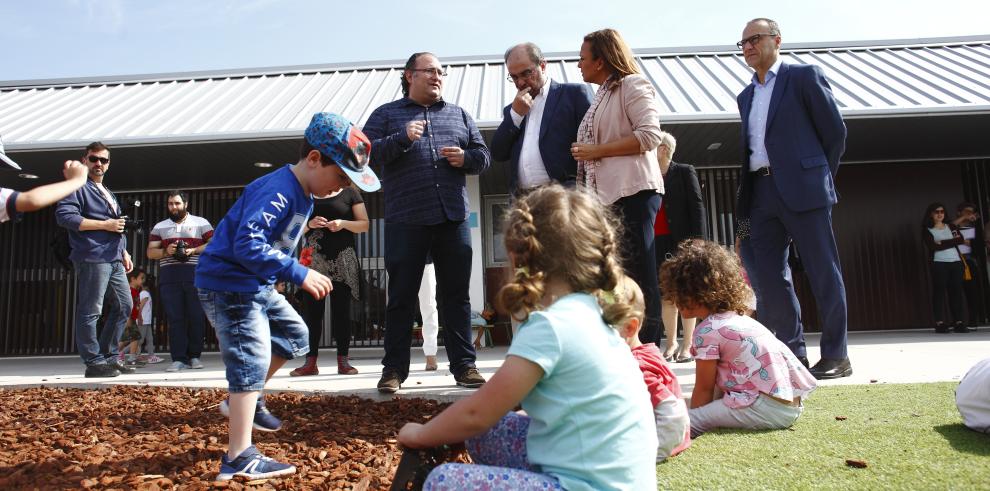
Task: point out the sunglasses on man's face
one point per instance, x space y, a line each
94 159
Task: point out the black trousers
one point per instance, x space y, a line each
340 318
638 212
947 279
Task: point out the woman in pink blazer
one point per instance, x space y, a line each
616 156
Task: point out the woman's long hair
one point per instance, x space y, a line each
608 45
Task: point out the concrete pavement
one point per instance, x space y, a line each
877 357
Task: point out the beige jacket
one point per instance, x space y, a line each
631 108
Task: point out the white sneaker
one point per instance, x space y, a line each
195 363
176 366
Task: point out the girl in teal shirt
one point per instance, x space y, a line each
588 421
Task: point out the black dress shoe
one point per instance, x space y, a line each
827 368
120 367
960 327
804 361
101 371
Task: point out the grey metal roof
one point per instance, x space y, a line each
947 76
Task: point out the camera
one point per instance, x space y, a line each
131 225
180 253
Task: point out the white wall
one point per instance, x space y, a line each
477 288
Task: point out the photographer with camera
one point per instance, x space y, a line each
95 223
177 242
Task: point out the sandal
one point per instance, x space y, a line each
684 359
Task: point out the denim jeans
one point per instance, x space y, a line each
186 323
406 249
251 327
94 281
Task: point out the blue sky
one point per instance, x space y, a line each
77 38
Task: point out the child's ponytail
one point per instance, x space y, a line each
522 294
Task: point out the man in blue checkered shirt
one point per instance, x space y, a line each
424 147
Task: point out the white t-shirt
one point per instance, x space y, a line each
146 310
945 255
968 233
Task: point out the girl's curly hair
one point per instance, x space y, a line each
567 234
705 274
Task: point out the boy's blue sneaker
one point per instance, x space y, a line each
252 465
264 420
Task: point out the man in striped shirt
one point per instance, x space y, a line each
177 242
425 147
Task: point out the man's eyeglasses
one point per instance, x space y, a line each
752 40
523 75
94 159
431 71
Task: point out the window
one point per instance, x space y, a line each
495 209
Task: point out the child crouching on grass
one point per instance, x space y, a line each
761 382
669 409
257 329
588 422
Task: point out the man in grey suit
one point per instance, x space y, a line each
541 123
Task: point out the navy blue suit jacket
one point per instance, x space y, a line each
565 107
805 137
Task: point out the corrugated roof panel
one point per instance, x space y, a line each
170 99
264 89
33 112
86 107
848 89
318 103
388 88
943 74
878 81
494 87
212 103
901 78
124 97
235 92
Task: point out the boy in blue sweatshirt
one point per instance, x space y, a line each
251 249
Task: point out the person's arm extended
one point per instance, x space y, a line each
49 194
155 248
475 414
704 382
641 108
360 223
252 241
505 137
477 158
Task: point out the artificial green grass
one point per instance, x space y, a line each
910 436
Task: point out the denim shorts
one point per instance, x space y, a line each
251 328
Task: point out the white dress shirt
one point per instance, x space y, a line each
757 124
532 171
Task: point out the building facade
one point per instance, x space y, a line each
917 113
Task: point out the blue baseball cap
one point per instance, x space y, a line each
339 140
